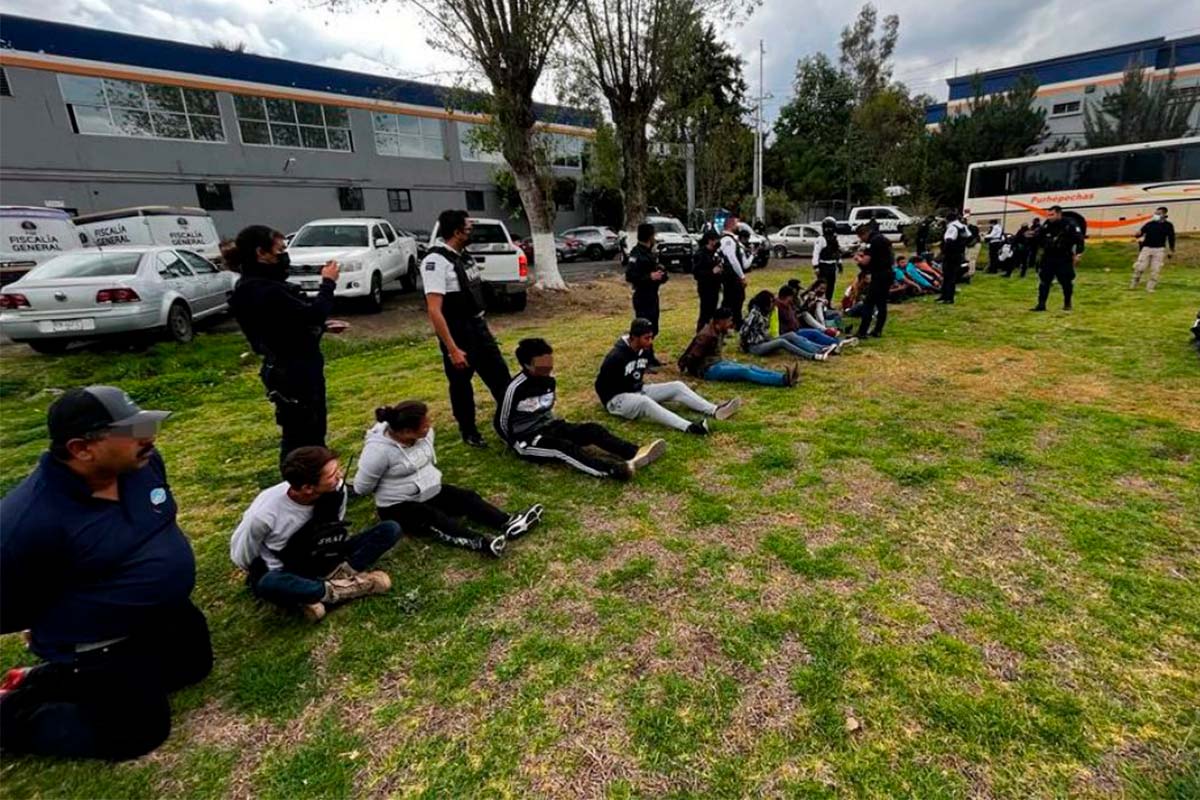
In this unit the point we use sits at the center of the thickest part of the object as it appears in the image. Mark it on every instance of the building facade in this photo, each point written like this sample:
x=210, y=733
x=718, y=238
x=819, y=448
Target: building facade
x=93, y=120
x=1068, y=84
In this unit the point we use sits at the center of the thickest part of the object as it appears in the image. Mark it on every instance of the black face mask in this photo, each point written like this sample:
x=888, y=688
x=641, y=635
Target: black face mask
x=283, y=261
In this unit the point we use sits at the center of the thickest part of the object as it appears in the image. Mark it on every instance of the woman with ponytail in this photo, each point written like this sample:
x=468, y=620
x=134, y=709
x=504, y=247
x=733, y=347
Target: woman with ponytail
x=399, y=466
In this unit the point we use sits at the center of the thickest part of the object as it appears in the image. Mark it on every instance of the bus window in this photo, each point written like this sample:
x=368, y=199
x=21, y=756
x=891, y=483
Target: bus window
x=1045, y=176
x=1145, y=166
x=989, y=181
x=1094, y=172
x=1189, y=163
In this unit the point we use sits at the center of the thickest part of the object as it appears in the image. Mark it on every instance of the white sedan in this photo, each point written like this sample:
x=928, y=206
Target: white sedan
x=93, y=293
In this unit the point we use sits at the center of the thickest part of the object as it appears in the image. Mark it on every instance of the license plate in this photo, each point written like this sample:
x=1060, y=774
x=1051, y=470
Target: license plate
x=67, y=325
x=310, y=285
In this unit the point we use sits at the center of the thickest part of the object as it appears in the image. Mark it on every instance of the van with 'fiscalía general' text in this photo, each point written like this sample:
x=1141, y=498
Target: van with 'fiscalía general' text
x=173, y=226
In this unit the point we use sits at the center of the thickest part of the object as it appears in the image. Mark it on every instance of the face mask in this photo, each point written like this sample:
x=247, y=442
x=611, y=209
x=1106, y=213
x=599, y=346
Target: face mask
x=1158, y=217
x=283, y=260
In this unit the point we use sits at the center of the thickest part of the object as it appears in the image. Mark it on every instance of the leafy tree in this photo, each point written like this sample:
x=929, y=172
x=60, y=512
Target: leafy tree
x=1142, y=109
x=600, y=188
x=865, y=57
x=887, y=131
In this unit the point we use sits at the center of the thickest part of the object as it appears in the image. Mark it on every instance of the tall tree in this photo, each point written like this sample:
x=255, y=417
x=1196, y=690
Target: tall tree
x=510, y=43
x=1142, y=109
x=865, y=56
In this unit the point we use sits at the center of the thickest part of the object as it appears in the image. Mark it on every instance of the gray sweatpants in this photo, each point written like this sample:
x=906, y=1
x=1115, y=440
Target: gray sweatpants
x=647, y=404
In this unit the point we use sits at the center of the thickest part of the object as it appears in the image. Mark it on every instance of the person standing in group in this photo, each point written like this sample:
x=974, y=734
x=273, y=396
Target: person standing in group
x=995, y=240
x=877, y=261
x=827, y=255
x=1032, y=243
x=974, y=245
x=455, y=303
x=922, y=236
x=646, y=275
x=954, y=248
x=284, y=326
x=708, y=271
x=95, y=569
x=1062, y=245
x=1156, y=243
x=735, y=269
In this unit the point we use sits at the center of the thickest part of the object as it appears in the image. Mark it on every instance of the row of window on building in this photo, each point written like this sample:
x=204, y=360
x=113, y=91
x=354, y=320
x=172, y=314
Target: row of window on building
x=108, y=107
x=219, y=197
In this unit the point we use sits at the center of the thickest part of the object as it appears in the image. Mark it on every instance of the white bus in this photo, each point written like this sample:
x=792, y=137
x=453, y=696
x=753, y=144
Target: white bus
x=1113, y=189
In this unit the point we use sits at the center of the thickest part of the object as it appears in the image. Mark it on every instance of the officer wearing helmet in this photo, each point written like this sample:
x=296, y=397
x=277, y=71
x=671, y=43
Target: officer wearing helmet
x=827, y=255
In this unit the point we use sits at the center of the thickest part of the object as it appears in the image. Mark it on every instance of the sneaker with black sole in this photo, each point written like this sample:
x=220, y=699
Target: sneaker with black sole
x=699, y=428
x=727, y=409
x=520, y=524
x=647, y=454
x=821, y=356
x=474, y=440
x=622, y=471
x=495, y=547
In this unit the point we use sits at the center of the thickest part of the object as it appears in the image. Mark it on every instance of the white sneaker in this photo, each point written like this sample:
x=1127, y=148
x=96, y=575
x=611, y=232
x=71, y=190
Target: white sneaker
x=520, y=524
x=648, y=454
x=850, y=341
x=727, y=409
x=822, y=356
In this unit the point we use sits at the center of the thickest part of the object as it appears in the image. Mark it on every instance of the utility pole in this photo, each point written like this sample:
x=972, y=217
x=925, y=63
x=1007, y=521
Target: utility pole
x=759, y=205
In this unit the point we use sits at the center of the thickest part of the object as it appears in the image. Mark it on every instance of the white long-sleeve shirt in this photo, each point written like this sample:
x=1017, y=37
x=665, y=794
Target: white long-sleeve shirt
x=819, y=245
x=732, y=252
x=996, y=234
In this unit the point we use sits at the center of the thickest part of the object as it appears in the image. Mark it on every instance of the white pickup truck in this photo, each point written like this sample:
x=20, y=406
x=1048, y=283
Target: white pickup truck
x=368, y=251
x=675, y=244
x=502, y=264
x=890, y=218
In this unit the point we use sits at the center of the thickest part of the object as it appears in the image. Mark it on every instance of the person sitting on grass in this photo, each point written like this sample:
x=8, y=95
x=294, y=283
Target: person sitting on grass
x=902, y=287
x=398, y=465
x=294, y=545
x=913, y=275
x=815, y=302
x=852, y=298
x=623, y=393
x=703, y=358
x=787, y=324
x=525, y=420
x=919, y=266
x=757, y=338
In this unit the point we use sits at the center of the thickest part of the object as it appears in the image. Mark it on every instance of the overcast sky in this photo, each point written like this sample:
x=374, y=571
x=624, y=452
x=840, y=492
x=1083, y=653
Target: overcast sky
x=387, y=38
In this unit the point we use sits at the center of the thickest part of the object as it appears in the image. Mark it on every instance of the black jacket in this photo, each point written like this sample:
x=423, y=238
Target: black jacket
x=281, y=323
x=1157, y=233
x=526, y=408
x=704, y=261
x=1060, y=241
x=621, y=372
x=639, y=265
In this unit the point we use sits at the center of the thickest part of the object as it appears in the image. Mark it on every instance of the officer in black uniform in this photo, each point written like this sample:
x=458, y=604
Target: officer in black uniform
x=827, y=256
x=455, y=301
x=707, y=269
x=1061, y=243
x=647, y=276
x=284, y=326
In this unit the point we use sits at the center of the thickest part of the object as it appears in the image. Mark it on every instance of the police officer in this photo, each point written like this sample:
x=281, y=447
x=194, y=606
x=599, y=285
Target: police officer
x=876, y=260
x=1061, y=243
x=455, y=302
x=284, y=327
x=734, y=266
x=647, y=276
x=954, y=250
x=827, y=256
x=708, y=270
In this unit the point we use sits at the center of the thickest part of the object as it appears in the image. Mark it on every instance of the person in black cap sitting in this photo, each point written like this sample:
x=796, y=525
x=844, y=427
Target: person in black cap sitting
x=95, y=569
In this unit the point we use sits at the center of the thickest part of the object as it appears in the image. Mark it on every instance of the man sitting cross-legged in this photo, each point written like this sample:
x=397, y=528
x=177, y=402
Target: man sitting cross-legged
x=526, y=421
x=622, y=391
x=295, y=547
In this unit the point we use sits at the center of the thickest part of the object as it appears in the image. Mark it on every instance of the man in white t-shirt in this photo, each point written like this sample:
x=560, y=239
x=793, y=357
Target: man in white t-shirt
x=294, y=546
x=455, y=302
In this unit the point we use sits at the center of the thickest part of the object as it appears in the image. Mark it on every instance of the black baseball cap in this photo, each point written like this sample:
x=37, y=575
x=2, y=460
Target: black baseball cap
x=79, y=412
x=640, y=327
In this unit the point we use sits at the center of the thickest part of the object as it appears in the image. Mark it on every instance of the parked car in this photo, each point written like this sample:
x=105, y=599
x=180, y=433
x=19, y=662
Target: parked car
x=368, y=250
x=795, y=240
x=502, y=264
x=106, y=291
x=30, y=235
x=175, y=226
x=675, y=244
x=567, y=249
x=418, y=236
x=598, y=243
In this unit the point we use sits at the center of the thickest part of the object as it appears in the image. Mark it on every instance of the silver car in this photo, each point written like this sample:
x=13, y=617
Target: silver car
x=598, y=242
x=97, y=292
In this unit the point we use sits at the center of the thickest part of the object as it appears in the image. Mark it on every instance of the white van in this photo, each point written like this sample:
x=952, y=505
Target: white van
x=30, y=235
x=173, y=226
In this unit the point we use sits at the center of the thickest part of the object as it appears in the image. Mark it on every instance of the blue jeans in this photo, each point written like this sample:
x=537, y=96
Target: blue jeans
x=733, y=371
x=787, y=345
x=803, y=342
x=816, y=336
x=289, y=589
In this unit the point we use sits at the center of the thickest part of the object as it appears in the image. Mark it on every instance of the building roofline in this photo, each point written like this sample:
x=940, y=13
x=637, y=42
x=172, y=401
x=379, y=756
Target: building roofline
x=1030, y=66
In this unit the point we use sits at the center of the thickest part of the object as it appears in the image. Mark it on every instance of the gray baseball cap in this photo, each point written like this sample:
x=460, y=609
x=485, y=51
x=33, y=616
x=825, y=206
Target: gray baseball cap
x=79, y=412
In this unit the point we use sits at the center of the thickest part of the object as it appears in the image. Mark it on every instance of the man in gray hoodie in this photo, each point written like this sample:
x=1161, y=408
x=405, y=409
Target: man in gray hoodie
x=398, y=465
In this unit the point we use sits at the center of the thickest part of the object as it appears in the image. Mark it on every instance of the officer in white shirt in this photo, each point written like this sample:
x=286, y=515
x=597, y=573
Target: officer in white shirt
x=734, y=269
x=995, y=239
x=455, y=302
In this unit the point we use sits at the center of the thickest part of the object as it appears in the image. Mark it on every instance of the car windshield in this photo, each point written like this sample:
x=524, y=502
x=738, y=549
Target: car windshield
x=86, y=265
x=668, y=226
x=331, y=236
x=487, y=234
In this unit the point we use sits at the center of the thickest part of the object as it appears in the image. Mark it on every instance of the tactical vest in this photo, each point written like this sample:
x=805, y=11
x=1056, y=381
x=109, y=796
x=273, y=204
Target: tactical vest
x=832, y=251
x=468, y=301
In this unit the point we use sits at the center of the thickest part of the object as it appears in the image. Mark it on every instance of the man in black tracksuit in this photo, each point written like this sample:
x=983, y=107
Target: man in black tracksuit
x=455, y=302
x=525, y=420
x=708, y=270
x=285, y=327
x=1061, y=243
x=644, y=273
x=876, y=261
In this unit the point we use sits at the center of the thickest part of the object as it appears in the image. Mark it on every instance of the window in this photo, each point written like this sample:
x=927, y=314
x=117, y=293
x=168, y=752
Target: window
x=1145, y=166
x=171, y=266
x=1094, y=172
x=1044, y=176
x=388, y=233
x=199, y=265
x=1189, y=163
x=331, y=236
x=565, y=151
x=989, y=182
x=399, y=200
x=270, y=121
x=105, y=107
x=564, y=194
x=883, y=213
x=376, y=235
x=1065, y=109
x=350, y=198
x=5, y=89
x=469, y=149
x=1186, y=93
x=487, y=234
x=214, y=196
x=475, y=200
x=408, y=136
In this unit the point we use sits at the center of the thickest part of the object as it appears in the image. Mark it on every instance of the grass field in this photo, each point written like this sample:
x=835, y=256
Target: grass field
x=959, y=562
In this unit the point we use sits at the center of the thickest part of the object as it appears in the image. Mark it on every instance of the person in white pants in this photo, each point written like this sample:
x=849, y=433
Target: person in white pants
x=623, y=393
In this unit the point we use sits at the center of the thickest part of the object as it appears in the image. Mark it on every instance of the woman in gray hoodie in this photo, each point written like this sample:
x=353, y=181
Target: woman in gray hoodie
x=399, y=466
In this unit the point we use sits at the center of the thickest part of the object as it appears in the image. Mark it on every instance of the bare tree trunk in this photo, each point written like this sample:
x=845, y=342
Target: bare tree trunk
x=631, y=128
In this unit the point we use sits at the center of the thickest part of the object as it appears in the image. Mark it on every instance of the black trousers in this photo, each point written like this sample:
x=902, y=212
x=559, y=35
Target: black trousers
x=828, y=273
x=299, y=401
x=710, y=300
x=1030, y=260
x=645, y=305
x=483, y=358
x=109, y=703
x=994, y=256
x=735, y=299
x=564, y=442
x=951, y=272
x=441, y=517
x=1064, y=273
x=876, y=304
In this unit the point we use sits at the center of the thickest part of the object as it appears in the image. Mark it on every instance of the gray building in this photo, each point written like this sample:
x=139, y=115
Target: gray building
x=93, y=120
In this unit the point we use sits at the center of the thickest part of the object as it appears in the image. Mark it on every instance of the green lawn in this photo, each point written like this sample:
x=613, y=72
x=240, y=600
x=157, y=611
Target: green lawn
x=960, y=562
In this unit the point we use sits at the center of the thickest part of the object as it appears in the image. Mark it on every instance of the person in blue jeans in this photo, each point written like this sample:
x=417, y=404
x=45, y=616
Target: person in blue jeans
x=758, y=339
x=788, y=325
x=294, y=545
x=703, y=358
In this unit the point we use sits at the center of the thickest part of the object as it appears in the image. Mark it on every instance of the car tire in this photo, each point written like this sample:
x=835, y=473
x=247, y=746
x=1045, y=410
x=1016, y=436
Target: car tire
x=179, y=323
x=373, y=302
x=409, y=281
x=595, y=253
x=517, y=302
x=780, y=251
x=49, y=347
